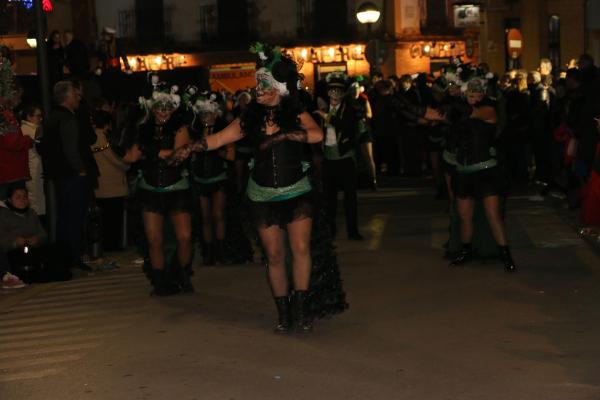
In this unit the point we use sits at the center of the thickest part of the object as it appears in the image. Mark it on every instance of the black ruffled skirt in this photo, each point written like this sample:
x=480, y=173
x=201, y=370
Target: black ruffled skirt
x=268, y=213
x=480, y=184
x=165, y=203
x=207, y=189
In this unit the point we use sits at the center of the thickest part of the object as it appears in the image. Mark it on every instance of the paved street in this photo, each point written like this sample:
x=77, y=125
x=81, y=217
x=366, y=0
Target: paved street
x=416, y=329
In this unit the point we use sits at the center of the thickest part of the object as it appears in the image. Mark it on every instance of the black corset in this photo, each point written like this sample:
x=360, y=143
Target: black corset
x=475, y=140
x=278, y=165
x=208, y=165
x=153, y=138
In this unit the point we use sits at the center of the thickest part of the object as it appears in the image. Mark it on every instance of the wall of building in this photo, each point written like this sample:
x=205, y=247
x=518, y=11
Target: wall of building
x=107, y=12
x=534, y=16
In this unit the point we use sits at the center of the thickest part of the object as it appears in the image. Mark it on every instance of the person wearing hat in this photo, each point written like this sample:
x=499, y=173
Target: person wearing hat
x=280, y=191
x=341, y=126
x=164, y=190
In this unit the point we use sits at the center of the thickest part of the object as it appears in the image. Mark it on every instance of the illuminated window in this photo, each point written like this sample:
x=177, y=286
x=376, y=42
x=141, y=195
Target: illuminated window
x=554, y=40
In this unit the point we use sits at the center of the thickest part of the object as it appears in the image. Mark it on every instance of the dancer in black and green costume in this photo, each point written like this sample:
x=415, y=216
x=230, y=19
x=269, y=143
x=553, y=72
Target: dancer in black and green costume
x=477, y=176
x=163, y=189
x=210, y=175
x=280, y=192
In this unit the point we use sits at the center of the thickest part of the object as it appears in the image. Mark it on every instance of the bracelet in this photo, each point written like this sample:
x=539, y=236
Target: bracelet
x=199, y=145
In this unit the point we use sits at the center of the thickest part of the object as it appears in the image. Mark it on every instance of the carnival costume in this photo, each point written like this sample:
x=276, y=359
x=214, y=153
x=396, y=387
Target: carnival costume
x=163, y=188
x=476, y=175
x=280, y=190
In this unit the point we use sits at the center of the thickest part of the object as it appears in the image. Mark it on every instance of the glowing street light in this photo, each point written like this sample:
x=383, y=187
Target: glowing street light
x=368, y=13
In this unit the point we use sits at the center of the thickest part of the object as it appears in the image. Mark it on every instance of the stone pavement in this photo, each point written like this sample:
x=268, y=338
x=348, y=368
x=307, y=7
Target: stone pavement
x=416, y=329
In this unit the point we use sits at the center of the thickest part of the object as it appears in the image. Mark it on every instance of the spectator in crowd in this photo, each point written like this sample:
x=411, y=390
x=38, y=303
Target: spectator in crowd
x=387, y=133
x=31, y=121
x=411, y=135
x=110, y=56
x=76, y=55
x=590, y=208
x=21, y=230
x=539, y=128
x=515, y=138
x=23, y=244
x=14, y=146
x=112, y=183
x=64, y=162
x=56, y=57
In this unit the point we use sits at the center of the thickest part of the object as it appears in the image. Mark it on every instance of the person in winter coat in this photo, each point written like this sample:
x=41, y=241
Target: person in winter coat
x=31, y=120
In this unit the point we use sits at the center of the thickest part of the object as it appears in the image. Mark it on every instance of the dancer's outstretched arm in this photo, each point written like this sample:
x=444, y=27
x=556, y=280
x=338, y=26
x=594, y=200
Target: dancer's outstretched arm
x=232, y=133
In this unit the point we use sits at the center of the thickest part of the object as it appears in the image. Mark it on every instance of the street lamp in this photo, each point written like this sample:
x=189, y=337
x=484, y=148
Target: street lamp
x=368, y=13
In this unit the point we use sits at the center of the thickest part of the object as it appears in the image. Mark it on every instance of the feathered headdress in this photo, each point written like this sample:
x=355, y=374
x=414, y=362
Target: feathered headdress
x=207, y=102
x=162, y=96
x=275, y=68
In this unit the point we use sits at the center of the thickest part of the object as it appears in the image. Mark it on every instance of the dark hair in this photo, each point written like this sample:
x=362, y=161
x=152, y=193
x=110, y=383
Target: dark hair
x=51, y=36
x=574, y=73
x=101, y=119
x=28, y=110
x=384, y=87
x=12, y=189
x=287, y=111
x=286, y=117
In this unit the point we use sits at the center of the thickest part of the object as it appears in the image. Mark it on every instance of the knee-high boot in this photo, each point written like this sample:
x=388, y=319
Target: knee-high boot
x=302, y=320
x=161, y=286
x=184, y=278
x=284, y=314
x=464, y=256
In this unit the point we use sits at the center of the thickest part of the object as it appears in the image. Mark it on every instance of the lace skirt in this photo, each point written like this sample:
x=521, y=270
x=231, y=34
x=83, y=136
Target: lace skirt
x=165, y=203
x=268, y=213
x=480, y=184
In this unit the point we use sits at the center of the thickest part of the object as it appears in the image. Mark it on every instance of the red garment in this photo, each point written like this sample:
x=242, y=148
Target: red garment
x=590, y=206
x=14, y=155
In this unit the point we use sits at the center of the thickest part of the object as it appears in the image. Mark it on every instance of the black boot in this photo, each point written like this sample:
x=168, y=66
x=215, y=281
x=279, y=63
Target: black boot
x=184, y=279
x=507, y=259
x=301, y=318
x=208, y=254
x=161, y=286
x=464, y=256
x=284, y=323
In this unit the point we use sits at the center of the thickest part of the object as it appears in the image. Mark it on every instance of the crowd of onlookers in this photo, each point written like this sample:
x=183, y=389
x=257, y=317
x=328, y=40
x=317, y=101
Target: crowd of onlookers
x=547, y=135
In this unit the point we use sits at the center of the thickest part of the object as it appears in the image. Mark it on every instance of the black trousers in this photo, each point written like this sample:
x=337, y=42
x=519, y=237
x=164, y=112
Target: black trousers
x=111, y=210
x=73, y=199
x=341, y=174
